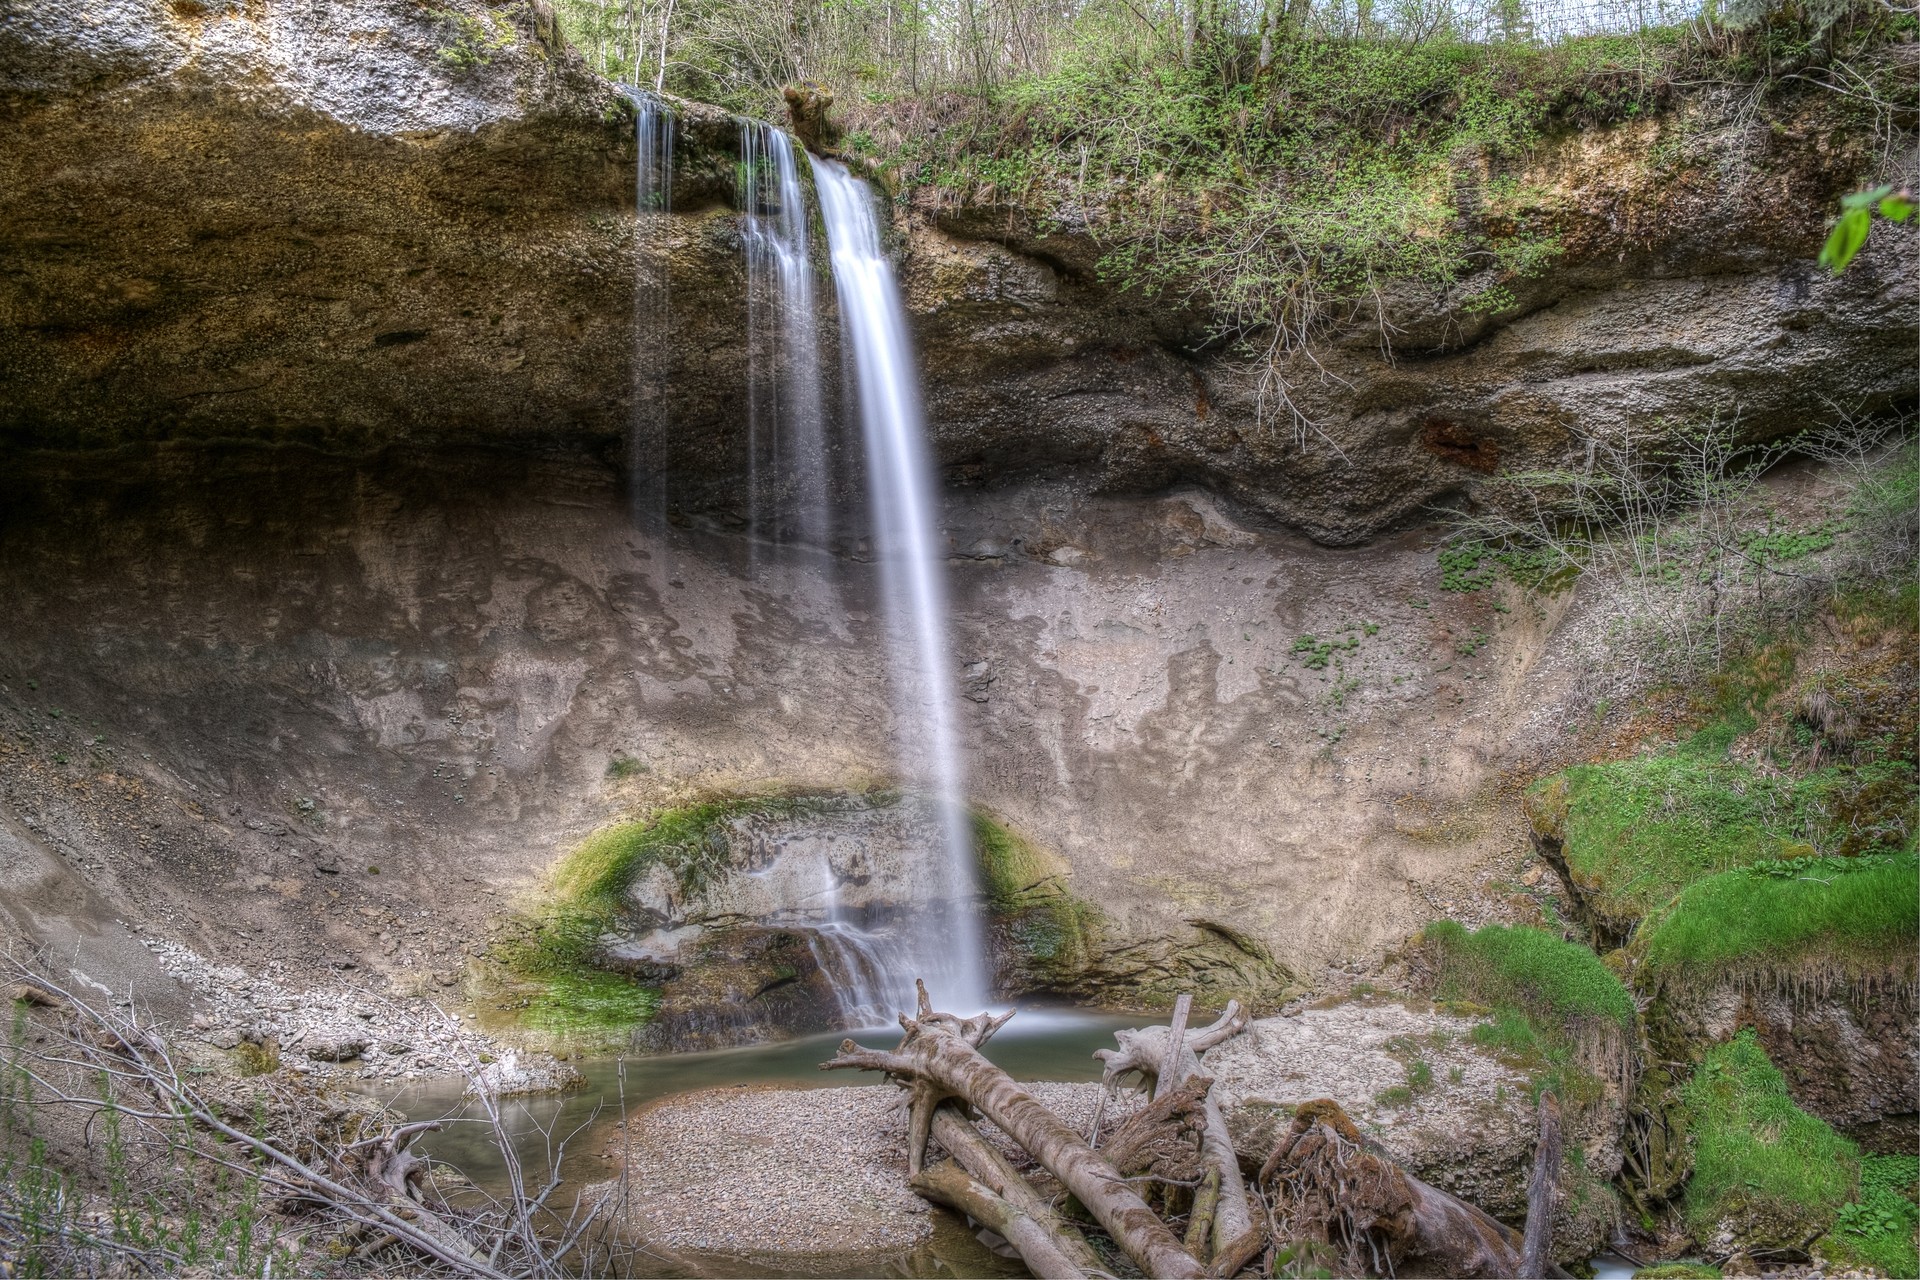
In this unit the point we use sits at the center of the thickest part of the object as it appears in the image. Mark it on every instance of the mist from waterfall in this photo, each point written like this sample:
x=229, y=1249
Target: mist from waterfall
x=786, y=440
x=905, y=513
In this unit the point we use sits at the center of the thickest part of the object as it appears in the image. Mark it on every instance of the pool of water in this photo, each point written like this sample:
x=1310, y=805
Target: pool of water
x=1039, y=1044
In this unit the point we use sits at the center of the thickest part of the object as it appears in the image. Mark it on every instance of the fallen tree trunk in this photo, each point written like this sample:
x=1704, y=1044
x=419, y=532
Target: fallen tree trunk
x=988, y=1167
x=937, y=1059
x=1037, y=1244
x=1542, y=1192
x=1167, y=1057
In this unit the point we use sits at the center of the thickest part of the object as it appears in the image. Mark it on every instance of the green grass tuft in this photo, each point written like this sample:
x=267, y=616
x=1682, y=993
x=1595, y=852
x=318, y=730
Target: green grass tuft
x=1639, y=831
x=1814, y=919
x=1557, y=1011
x=1549, y=979
x=1763, y=1168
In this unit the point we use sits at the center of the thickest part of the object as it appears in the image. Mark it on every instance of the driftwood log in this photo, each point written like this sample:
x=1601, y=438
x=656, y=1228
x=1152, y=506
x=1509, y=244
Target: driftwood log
x=1037, y=1244
x=1167, y=1058
x=1542, y=1192
x=938, y=1059
x=988, y=1167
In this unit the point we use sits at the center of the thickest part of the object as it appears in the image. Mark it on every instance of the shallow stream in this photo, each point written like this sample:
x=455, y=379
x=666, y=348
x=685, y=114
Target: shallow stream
x=1039, y=1044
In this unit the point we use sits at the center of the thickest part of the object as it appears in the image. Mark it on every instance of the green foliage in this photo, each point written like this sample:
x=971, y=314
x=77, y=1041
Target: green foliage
x=1877, y=1226
x=1470, y=564
x=1678, y=1271
x=1554, y=983
x=1810, y=919
x=1319, y=653
x=1856, y=219
x=1761, y=1166
x=1638, y=831
x=134, y=1214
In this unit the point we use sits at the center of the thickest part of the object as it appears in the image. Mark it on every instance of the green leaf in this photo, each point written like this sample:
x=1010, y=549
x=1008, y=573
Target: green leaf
x=1848, y=235
x=1866, y=199
x=1897, y=207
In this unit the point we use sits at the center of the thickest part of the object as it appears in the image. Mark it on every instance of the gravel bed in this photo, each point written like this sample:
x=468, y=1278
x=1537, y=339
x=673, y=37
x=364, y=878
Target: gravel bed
x=349, y=1033
x=757, y=1169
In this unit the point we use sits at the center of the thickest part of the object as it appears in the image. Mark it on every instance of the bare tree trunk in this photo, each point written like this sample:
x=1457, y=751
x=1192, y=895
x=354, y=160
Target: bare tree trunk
x=1542, y=1192
x=948, y=1184
x=937, y=1059
x=977, y=1156
x=1170, y=1055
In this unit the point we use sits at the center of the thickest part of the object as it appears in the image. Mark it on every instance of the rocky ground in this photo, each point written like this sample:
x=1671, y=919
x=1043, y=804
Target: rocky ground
x=349, y=1033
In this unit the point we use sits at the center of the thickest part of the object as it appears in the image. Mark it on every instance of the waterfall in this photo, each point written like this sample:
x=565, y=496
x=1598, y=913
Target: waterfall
x=652, y=320
x=904, y=501
x=786, y=445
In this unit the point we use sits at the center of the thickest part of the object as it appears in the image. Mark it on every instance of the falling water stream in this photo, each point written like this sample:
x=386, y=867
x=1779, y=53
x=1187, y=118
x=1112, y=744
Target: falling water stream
x=905, y=510
x=873, y=962
x=653, y=316
x=786, y=444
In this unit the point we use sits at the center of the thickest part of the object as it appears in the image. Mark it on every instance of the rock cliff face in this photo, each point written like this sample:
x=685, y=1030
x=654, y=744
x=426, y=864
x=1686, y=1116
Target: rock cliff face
x=355, y=225
x=391, y=655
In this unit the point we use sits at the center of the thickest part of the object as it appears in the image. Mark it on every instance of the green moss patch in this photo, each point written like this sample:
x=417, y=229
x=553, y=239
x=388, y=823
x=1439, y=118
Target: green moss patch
x=1763, y=1169
x=1048, y=935
x=1810, y=920
x=585, y=1002
x=1636, y=832
x=1548, y=978
x=554, y=956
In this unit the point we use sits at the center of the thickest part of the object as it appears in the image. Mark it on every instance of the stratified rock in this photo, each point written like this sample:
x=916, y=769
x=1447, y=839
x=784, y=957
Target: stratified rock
x=356, y=225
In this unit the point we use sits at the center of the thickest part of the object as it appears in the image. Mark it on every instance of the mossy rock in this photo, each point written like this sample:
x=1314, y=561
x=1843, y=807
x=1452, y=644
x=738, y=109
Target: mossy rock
x=1045, y=938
